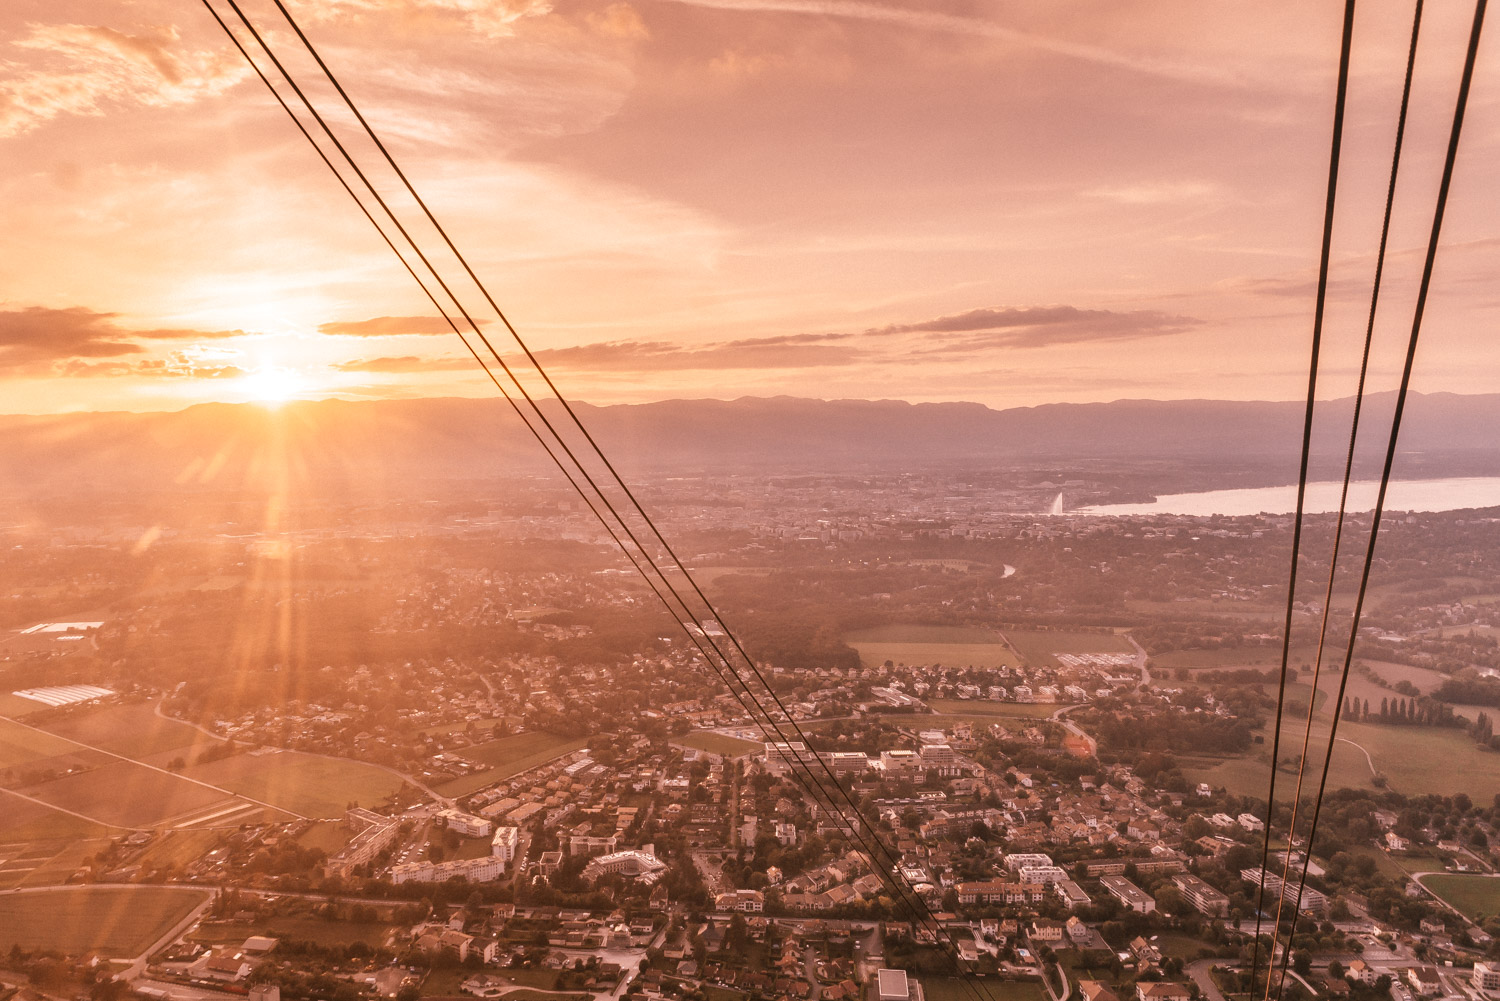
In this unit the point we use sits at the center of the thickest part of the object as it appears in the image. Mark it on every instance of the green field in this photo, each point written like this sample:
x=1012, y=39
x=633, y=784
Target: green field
x=953, y=989
x=299, y=927
x=308, y=784
x=133, y=730
x=329, y=836
x=24, y=748
x=1478, y=897
x=977, y=707
x=14, y=705
x=23, y=820
x=509, y=756
x=116, y=921
x=1414, y=760
x=1041, y=648
x=126, y=794
x=957, y=646
x=718, y=743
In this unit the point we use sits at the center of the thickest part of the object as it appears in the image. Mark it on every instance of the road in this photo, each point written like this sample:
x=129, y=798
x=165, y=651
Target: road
x=1140, y=661
x=1202, y=974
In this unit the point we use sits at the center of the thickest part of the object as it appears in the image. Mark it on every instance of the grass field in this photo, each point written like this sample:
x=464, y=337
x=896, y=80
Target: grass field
x=975, y=707
x=14, y=705
x=126, y=794
x=1041, y=648
x=1476, y=896
x=329, y=836
x=509, y=756
x=23, y=748
x=1414, y=760
x=302, y=927
x=953, y=989
x=22, y=820
x=133, y=730
x=117, y=921
x=959, y=646
x=307, y=784
x=718, y=743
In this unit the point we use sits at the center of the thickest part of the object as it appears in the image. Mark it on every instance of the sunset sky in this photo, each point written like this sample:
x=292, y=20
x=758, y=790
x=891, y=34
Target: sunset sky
x=1011, y=203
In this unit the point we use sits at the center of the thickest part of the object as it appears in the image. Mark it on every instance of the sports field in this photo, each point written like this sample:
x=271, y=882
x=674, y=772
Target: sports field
x=1041, y=647
x=509, y=756
x=297, y=927
x=307, y=784
x=116, y=921
x=1478, y=897
x=953, y=646
x=718, y=743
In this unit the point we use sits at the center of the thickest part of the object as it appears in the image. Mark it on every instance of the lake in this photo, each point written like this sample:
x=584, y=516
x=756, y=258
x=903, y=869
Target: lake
x=1451, y=494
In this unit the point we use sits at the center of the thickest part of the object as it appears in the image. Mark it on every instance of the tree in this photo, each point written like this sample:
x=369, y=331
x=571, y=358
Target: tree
x=1335, y=969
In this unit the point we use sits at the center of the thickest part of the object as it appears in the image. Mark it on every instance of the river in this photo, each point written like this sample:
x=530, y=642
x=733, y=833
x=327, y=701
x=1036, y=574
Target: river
x=1452, y=494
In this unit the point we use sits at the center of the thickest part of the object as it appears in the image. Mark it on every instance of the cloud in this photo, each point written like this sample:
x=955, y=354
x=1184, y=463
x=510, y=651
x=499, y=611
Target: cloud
x=77, y=69
x=408, y=363
x=38, y=335
x=176, y=368
x=936, y=21
x=389, y=326
x=495, y=18
x=778, y=352
x=1043, y=326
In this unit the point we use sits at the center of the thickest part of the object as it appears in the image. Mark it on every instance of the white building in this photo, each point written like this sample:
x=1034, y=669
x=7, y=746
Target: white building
x=503, y=847
x=466, y=824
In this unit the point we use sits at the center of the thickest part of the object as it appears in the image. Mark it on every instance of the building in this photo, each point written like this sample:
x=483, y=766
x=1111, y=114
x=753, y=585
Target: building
x=748, y=901
x=265, y=992
x=506, y=839
x=1021, y=860
x=1162, y=991
x=894, y=985
x=1312, y=900
x=641, y=865
x=782, y=756
x=1048, y=874
x=473, y=870
x=374, y=835
x=1486, y=977
x=1424, y=980
x=583, y=844
x=1071, y=894
x=466, y=824
x=1204, y=898
x=1128, y=893
x=997, y=891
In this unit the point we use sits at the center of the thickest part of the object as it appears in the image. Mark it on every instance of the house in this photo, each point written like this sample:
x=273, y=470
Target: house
x=1424, y=980
x=1162, y=991
x=1093, y=990
x=1361, y=971
x=1049, y=932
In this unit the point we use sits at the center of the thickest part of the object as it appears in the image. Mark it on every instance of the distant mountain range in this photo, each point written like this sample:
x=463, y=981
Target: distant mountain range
x=400, y=443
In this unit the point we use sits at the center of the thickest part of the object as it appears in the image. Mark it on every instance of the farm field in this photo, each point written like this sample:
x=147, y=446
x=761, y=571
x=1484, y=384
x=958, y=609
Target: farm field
x=1413, y=759
x=1258, y=657
x=1478, y=897
x=509, y=756
x=14, y=705
x=718, y=743
x=126, y=794
x=133, y=730
x=23, y=749
x=24, y=821
x=116, y=921
x=1041, y=647
x=958, y=646
x=307, y=784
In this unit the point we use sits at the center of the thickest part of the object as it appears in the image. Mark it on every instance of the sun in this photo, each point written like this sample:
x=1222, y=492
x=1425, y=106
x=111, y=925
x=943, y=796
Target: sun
x=272, y=385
